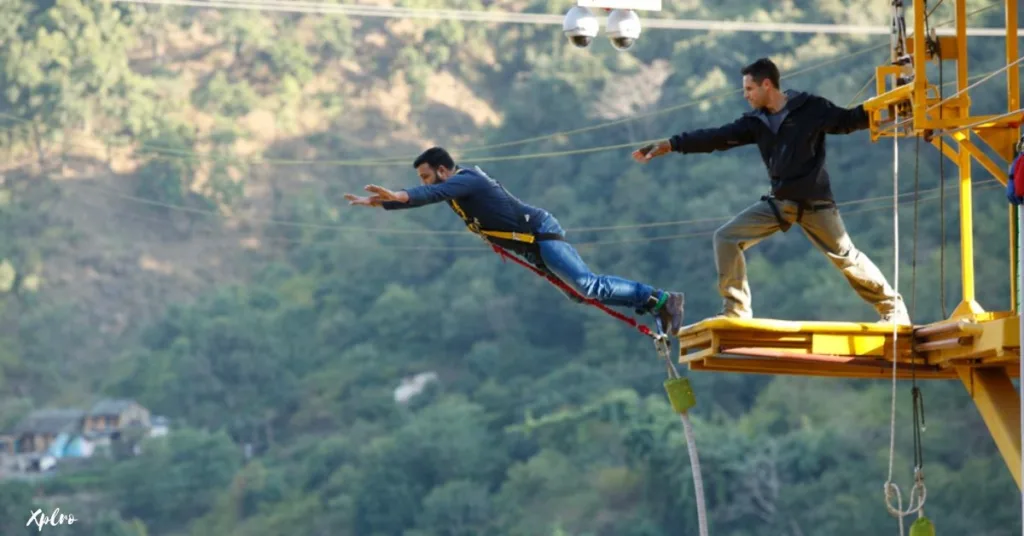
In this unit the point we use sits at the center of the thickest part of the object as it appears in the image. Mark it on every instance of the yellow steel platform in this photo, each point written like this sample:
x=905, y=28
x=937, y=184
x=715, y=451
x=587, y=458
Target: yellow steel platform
x=982, y=350
x=850, y=349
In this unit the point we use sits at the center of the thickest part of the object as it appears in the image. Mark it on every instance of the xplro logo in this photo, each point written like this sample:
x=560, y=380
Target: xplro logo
x=40, y=519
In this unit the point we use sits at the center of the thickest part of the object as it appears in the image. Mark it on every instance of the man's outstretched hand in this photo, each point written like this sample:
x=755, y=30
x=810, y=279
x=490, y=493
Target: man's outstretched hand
x=387, y=195
x=381, y=194
x=647, y=152
x=371, y=201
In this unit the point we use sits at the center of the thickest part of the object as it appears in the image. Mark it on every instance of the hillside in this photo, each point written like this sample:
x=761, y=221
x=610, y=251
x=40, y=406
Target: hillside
x=175, y=233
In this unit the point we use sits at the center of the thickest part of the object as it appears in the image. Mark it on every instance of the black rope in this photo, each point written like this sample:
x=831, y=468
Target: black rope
x=917, y=399
x=913, y=257
x=919, y=426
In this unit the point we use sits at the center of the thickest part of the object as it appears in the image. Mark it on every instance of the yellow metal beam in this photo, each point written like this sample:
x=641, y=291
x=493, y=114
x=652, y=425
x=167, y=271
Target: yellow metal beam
x=920, y=62
x=966, y=230
x=1002, y=138
x=997, y=171
x=961, y=49
x=887, y=98
x=999, y=405
x=977, y=123
x=982, y=341
x=781, y=365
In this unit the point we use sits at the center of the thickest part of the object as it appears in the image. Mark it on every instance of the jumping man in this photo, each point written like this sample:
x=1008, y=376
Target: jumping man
x=789, y=129
x=502, y=219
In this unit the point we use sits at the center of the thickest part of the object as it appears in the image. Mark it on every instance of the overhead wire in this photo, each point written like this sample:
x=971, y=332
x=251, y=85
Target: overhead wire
x=212, y=233
x=196, y=156
x=363, y=229
x=170, y=154
x=378, y=229
x=375, y=245
x=981, y=185
x=993, y=184
x=403, y=161
x=158, y=151
x=313, y=225
x=663, y=23
x=427, y=232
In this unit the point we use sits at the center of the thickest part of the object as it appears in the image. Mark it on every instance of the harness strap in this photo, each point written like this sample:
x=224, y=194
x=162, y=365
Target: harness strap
x=526, y=238
x=801, y=206
x=783, y=224
x=561, y=284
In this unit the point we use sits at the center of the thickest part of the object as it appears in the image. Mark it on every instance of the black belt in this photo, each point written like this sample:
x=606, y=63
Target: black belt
x=802, y=206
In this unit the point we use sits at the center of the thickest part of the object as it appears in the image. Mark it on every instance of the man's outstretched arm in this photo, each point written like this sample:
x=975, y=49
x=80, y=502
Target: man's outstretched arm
x=453, y=188
x=704, y=140
x=707, y=140
x=839, y=120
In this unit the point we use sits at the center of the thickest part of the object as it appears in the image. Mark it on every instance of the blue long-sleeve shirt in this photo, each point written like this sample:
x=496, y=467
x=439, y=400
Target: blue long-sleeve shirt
x=484, y=201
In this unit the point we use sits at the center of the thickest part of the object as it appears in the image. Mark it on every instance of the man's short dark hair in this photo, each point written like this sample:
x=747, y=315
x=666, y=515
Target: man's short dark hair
x=435, y=157
x=761, y=69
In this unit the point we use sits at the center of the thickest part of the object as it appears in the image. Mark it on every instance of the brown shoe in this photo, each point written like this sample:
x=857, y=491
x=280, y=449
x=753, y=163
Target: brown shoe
x=671, y=313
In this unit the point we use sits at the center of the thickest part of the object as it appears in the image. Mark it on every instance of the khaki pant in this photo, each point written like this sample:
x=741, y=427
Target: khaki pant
x=825, y=229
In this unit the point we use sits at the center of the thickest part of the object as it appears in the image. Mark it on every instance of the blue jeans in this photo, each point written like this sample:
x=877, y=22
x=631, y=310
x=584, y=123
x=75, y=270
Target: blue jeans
x=565, y=263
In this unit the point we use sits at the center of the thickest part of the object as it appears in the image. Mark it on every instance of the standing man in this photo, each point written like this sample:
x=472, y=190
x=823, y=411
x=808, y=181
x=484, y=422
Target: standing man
x=789, y=129
x=502, y=219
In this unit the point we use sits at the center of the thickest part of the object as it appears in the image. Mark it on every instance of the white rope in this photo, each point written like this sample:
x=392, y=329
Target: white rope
x=890, y=488
x=661, y=344
x=895, y=40
x=698, y=481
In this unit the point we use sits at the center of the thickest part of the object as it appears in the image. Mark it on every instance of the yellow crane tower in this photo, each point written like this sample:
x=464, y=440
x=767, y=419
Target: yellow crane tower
x=978, y=347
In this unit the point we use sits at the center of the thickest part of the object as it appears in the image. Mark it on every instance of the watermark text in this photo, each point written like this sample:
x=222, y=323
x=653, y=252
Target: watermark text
x=54, y=519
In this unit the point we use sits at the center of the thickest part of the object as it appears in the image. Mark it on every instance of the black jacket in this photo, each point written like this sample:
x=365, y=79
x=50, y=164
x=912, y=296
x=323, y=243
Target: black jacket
x=795, y=155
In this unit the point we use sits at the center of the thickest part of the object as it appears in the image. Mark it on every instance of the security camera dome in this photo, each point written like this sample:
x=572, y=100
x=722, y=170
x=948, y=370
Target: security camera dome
x=581, y=41
x=623, y=28
x=622, y=43
x=580, y=26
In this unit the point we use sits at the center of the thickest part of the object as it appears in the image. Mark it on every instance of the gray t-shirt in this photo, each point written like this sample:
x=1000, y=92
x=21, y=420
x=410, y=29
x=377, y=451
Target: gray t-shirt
x=775, y=120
